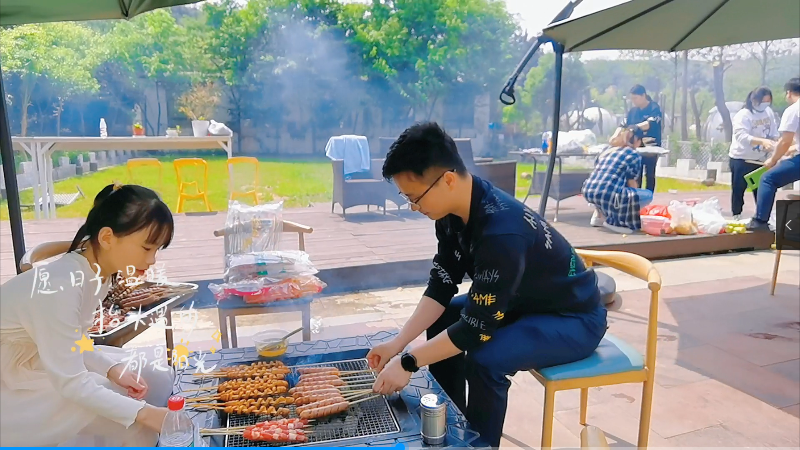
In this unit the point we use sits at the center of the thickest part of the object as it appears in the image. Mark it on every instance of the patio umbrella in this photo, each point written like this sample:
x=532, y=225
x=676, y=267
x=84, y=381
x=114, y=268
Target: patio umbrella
x=17, y=12
x=665, y=25
x=675, y=25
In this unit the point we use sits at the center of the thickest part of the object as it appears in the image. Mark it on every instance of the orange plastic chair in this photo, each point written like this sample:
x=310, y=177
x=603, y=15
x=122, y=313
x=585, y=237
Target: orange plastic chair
x=233, y=189
x=146, y=162
x=183, y=184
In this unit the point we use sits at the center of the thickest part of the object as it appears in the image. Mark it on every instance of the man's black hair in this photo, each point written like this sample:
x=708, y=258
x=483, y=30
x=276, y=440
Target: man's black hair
x=793, y=86
x=421, y=147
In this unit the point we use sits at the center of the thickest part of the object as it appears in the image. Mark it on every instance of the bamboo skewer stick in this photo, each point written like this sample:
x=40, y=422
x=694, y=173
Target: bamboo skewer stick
x=364, y=399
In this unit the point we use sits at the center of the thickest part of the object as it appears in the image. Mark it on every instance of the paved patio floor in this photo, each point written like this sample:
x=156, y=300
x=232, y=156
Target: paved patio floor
x=728, y=364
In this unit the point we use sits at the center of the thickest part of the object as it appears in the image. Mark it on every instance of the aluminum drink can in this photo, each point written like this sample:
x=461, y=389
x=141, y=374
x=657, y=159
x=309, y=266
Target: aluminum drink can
x=433, y=412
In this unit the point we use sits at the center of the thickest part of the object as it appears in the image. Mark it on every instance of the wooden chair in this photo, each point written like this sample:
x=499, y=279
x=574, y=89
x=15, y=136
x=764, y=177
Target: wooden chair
x=786, y=237
x=146, y=162
x=614, y=361
x=229, y=309
x=183, y=185
x=49, y=250
x=235, y=193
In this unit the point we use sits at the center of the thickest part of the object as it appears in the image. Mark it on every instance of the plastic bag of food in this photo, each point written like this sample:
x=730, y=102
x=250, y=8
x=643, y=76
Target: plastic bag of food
x=250, y=229
x=681, y=218
x=655, y=210
x=270, y=265
x=265, y=291
x=708, y=217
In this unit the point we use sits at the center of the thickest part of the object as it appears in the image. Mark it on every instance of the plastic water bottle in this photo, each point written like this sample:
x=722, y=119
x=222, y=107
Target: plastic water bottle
x=103, y=128
x=177, y=429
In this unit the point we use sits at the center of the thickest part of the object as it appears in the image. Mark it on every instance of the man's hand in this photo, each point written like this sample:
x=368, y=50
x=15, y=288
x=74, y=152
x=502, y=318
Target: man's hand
x=136, y=388
x=770, y=162
x=392, y=379
x=381, y=354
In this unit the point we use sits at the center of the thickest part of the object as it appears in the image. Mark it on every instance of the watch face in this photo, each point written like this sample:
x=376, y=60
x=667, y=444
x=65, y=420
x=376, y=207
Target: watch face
x=408, y=362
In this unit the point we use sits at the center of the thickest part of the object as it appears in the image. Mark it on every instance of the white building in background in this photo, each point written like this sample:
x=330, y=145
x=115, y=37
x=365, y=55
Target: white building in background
x=713, y=130
x=600, y=120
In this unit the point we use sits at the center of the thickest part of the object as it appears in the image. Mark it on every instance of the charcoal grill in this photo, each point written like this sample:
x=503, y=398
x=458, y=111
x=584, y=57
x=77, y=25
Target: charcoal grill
x=366, y=419
x=381, y=422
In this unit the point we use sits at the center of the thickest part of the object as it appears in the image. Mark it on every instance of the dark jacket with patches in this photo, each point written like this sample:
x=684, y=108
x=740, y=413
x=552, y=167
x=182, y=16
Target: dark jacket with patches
x=518, y=264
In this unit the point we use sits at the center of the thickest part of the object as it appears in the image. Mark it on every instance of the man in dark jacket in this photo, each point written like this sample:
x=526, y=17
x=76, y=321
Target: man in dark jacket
x=648, y=117
x=532, y=304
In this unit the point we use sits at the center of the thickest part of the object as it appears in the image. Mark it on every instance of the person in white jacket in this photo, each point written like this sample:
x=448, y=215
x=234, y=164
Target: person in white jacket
x=56, y=389
x=754, y=132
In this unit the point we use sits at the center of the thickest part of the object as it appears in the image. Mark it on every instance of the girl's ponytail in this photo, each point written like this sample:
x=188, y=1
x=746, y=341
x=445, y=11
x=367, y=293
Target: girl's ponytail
x=133, y=208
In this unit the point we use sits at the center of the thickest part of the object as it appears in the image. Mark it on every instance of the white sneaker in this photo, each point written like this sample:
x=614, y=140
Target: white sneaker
x=597, y=219
x=737, y=217
x=616, y=229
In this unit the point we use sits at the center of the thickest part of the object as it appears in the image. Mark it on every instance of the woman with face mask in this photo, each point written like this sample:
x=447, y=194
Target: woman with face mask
x=754, y=131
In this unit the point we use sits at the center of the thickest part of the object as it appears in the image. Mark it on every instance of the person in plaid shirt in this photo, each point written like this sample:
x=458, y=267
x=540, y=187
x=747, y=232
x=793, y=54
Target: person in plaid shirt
x=613, y=188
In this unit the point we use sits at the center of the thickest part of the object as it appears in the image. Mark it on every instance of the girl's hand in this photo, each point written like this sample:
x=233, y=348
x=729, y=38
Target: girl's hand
x=768, y=145
x=136, y=388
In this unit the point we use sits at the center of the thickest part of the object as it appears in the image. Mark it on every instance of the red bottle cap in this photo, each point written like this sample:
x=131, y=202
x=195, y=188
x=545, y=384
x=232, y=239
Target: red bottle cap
x=175, y=403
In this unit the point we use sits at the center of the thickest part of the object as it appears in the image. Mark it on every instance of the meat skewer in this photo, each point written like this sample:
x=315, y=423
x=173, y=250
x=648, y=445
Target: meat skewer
x=235, y=396
x=331, y=409
x=312, y=387
x=329, y=370
x=326, y=376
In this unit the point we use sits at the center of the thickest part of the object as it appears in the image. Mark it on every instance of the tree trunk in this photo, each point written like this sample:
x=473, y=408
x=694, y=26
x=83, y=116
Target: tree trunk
x=59, y=110
x=684, y=97
x=698, y=127
x=158, y=102
x=764, y=61
x=433, y=105
x=27, y=90
x=674, y=92
x=719, y=100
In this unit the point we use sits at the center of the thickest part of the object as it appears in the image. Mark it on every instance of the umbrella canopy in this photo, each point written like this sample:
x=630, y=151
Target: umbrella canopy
x=673, y=25
x=17, y=12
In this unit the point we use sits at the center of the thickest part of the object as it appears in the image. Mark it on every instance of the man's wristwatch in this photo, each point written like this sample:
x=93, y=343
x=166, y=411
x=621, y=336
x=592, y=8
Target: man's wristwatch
x=409, y=362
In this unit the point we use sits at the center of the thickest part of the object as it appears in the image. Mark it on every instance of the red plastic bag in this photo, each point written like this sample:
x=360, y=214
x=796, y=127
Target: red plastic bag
x=655, y=210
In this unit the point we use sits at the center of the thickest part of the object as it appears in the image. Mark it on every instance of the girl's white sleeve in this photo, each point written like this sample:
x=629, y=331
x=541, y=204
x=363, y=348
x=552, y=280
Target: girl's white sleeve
x=53, y=321
x=99, y=362
x=742, y=127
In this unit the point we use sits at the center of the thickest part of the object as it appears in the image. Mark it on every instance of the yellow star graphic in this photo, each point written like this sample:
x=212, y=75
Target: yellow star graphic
x=84, y=344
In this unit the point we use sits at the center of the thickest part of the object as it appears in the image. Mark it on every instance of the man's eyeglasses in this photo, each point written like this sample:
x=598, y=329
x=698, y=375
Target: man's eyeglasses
x=416, y=201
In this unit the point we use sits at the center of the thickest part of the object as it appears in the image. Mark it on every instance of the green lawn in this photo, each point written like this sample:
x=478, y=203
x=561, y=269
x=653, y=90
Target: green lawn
x=298, y=183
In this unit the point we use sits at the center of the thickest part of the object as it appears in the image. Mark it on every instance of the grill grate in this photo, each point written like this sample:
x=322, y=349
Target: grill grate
x=365, y=419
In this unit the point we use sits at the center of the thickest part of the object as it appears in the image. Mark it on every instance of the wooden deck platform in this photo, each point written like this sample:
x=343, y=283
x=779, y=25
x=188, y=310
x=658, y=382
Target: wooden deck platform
x=371, y=250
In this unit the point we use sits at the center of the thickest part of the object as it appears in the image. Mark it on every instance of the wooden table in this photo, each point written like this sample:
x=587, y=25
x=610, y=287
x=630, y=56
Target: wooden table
x=41, y=148
x=125, y=332
x=235, y=306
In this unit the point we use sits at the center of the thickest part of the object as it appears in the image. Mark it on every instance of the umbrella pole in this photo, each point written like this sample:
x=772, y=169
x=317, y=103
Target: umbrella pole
x=10, y=175
x=551, y=164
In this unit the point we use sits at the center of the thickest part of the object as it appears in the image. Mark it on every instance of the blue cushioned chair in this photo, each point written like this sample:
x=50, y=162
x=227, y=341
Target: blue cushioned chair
x=614, y=361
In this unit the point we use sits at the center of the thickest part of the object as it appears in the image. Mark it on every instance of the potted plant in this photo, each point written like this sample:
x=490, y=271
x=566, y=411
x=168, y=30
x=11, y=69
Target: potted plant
x=198, y=103
x=138, y=129
x=172, y=132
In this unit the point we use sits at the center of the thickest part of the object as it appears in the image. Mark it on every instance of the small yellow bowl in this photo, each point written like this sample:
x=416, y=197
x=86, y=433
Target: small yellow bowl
x=270, y=344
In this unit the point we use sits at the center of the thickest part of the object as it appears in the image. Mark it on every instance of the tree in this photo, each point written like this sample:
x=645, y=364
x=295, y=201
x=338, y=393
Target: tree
x=155, y=47
x=232, y=38
x=58, y=52
x=423, y=48
x=720, y=59
x=767, y=51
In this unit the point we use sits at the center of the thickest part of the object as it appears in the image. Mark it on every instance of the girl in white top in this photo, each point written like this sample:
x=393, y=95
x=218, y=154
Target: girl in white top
x=754, y=132
x=55, y=388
